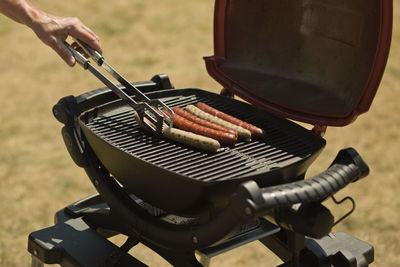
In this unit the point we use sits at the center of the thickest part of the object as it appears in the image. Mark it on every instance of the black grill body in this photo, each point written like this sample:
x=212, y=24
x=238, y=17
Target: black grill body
x=222, y=191
x=185, y=180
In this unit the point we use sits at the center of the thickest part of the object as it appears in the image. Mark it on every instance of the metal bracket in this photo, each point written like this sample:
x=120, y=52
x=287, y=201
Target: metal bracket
x=340, y=202
x=118, y=253
x=163, y=81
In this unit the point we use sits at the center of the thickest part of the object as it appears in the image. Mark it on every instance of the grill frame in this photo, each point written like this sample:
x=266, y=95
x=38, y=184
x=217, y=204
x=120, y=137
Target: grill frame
x=179, y=193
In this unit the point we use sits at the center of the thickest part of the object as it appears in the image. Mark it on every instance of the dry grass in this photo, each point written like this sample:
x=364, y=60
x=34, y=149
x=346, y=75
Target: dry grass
x=143, y=38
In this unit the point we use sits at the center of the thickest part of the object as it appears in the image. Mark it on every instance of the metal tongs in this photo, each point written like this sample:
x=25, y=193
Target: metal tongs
x=151, y=112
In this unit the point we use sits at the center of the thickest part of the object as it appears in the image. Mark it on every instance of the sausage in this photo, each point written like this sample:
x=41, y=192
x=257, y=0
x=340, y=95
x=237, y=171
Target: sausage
x=205, y=123
x=191, y=139
x=187, y=125
x=242, y=133
x=255, y=131
x=188, y=138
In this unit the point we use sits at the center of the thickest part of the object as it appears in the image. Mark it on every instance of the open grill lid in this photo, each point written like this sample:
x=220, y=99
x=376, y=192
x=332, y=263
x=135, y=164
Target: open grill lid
x=315, y=61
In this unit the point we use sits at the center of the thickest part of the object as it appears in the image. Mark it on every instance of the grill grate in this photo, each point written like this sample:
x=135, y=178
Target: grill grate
x=278, y=149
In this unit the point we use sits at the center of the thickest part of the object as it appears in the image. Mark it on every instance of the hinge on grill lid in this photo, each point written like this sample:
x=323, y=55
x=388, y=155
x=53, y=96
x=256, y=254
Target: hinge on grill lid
x=227, y=93
x=319, y=130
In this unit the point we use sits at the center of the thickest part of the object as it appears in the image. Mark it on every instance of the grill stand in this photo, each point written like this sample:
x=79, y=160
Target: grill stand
x=75, y=239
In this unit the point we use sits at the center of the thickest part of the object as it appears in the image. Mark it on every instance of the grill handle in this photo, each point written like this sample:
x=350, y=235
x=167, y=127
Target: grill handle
x=347, y=167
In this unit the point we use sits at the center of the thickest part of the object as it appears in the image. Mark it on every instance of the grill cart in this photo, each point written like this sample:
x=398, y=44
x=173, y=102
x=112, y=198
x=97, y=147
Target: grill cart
x=313, y=61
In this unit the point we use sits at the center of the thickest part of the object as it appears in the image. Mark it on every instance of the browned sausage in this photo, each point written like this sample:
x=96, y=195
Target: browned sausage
x=205, y=123
x=191, y=139
x=187, y=125
x=188, y=138
x=242, y=133
x=253, y=129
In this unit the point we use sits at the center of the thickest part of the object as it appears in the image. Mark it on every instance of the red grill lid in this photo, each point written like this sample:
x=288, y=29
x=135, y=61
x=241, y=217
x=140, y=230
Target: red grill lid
x=315, y=61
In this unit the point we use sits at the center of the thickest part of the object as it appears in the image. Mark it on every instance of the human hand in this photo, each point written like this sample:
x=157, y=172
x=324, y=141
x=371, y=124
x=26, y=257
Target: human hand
x=53, y=31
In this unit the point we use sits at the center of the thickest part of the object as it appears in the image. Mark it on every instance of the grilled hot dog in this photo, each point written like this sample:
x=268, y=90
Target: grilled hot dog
x=188, y=138
x=243, y=133
x=191, y=139
x=187, y=125
x=255, y=131
x=205, y=123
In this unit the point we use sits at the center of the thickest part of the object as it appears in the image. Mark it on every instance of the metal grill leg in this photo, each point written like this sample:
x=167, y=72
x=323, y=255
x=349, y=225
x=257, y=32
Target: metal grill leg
x=203, y=259
x=36, y=262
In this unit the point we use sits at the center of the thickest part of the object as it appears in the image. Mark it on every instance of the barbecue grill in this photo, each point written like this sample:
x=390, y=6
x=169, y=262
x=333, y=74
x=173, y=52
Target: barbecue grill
x=322, y=65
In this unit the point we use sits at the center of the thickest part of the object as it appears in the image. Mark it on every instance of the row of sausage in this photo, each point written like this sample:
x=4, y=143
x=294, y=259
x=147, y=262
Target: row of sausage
x=207, y=128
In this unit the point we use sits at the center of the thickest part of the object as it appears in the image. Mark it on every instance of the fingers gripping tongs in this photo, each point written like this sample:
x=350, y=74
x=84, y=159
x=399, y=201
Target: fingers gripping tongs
x=150, y=112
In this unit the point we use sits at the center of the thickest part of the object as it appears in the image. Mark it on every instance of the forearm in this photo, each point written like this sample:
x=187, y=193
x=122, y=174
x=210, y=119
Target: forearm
x=52, y=30
x=22, y=11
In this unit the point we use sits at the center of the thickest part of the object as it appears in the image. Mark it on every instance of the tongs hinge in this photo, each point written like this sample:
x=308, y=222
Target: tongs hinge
x=96, y=56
